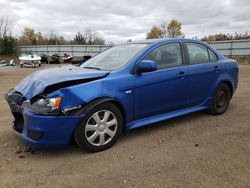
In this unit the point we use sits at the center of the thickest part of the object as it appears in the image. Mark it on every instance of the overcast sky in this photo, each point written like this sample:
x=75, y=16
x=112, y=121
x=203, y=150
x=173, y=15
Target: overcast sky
x=120, y=20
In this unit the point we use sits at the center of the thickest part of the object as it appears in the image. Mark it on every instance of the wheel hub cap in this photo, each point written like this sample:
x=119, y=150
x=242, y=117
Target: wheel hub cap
x=221, y=98
x=101, y=127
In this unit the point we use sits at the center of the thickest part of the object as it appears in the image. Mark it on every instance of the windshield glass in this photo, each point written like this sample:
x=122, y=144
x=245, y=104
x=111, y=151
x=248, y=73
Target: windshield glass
x=114, y=58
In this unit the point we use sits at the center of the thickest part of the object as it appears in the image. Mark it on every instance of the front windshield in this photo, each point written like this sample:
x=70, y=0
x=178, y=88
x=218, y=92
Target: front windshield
x=114, y=58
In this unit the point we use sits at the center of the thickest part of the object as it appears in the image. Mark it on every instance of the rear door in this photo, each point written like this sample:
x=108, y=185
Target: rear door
x=203, y=72
x=164, y=89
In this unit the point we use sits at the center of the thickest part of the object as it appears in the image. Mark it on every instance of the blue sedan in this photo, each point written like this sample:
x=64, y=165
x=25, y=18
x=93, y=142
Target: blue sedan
x=123, y=88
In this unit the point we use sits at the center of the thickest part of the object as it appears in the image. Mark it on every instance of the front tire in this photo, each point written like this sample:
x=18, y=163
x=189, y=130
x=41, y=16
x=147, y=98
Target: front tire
x=221, y=100
x=100, y=128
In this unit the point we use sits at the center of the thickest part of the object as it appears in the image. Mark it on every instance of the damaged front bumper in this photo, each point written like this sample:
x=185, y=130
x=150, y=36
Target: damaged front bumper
x=40, y=131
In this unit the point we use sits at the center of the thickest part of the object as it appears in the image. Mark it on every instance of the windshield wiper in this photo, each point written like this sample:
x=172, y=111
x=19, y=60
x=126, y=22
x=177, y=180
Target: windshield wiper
x=96, y=68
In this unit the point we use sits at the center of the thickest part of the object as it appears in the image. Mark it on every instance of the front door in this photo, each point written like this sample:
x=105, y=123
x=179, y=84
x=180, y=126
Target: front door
x=165, y=89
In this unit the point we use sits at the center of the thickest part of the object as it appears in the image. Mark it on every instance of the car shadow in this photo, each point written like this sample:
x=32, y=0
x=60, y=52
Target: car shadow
x=128, y=135
x=163, y=125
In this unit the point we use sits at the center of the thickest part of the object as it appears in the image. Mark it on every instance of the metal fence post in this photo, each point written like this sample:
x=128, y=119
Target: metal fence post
x=231, y=48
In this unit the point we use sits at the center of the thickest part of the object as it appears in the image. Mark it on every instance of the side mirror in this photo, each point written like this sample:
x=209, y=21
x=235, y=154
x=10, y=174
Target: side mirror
x=146, y=66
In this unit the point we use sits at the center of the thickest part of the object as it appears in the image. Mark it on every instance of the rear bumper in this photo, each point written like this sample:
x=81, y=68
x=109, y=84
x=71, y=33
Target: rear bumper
x=236, y=79
x=40, y=131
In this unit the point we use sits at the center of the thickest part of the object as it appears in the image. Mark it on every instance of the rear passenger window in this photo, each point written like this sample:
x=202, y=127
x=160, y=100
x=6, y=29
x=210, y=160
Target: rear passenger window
x=213, y=57
x=197, y=53
x=166, y=56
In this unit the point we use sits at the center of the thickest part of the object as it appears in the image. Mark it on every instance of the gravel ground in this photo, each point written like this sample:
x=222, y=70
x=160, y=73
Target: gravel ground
x=196, y=150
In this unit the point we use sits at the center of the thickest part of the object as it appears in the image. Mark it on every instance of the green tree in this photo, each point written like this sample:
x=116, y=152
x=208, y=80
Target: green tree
x=8, y=45
x=79, y=39
x=155, y=32
x=7, y=41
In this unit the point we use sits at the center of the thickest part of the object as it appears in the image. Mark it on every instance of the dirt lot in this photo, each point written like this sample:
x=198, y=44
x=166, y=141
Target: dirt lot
x=197, y=150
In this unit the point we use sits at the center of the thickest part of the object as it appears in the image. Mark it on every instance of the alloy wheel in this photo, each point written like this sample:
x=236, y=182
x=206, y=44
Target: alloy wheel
x=101, y=127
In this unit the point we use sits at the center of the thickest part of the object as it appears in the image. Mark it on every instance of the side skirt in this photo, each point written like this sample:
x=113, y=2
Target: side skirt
x=168, y=115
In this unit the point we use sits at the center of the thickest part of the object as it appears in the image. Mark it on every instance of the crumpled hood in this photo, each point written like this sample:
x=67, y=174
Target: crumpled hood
x=37, y=82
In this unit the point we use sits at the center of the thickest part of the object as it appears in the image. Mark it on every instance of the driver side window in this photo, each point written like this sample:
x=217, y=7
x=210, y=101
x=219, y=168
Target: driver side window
x=166, y=56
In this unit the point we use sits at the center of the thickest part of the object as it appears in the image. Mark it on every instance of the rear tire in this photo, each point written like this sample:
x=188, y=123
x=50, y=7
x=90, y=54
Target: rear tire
x=100, y=128
x=221, y=100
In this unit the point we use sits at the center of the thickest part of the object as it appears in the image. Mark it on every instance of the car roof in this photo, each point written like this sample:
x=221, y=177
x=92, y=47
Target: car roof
x=158, y=41
x=151, y=41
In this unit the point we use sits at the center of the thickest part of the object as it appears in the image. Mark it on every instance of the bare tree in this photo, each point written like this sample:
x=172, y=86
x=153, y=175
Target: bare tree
x=98, y=40
x=7, y=41
x=52, y=37
x=222, y=36
x=164, y=29
x=5, y=26
x=90, y=35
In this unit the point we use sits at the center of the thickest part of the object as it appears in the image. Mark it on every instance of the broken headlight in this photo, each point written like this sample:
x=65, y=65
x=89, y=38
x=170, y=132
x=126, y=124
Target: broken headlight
x=44, y=106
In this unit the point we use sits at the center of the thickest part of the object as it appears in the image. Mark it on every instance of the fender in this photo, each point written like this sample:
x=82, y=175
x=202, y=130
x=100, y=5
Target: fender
x=223, y=79
x=84, y=94
x=89, y=106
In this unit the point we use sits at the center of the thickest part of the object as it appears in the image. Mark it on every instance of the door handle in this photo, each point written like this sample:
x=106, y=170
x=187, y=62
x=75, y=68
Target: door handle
x=216, y=68
x=181, y=74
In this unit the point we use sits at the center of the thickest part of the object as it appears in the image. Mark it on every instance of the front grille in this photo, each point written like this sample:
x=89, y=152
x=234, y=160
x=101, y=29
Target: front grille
x=18, y=122
x=15, y=100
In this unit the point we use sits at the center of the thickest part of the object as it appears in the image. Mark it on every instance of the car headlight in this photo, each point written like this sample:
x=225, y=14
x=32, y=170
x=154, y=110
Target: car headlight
x=50, y=104
x=44, y=106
